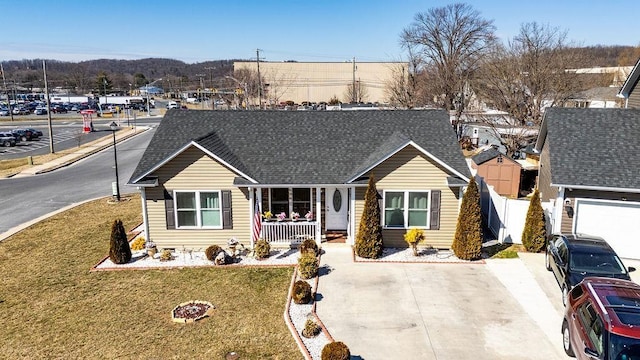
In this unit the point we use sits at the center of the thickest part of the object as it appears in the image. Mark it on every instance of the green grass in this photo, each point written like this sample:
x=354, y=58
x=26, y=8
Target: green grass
x=503, y=251
x=53, y=307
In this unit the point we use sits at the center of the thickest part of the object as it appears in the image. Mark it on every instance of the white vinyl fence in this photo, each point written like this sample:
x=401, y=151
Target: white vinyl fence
x=504, y=217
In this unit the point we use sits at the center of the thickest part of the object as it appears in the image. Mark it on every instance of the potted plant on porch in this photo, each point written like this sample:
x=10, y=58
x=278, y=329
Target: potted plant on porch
x=151, y=248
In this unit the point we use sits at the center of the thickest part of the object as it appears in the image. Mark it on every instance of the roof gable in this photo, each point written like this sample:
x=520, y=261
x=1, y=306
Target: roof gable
x=295, y=147
x=593, y=148
x=631, y=82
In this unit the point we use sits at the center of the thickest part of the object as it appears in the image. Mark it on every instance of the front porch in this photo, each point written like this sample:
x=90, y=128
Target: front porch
x=291, y=215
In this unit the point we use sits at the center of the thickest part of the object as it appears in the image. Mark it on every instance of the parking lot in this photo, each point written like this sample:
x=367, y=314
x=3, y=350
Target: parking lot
x=63, y=137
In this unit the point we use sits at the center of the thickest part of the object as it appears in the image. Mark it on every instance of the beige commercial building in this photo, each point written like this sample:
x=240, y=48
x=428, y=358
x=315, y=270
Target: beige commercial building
x=321, y=81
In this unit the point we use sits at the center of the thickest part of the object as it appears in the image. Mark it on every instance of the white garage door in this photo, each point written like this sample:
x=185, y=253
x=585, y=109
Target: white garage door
x=617, y=222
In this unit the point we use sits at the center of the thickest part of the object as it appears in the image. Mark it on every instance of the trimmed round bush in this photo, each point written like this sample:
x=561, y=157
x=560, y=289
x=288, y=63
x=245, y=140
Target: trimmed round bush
x=307, y=265
x=301, y=292
x=336, y=350
x=309, y=245
x=262, y=249
x=212, y=251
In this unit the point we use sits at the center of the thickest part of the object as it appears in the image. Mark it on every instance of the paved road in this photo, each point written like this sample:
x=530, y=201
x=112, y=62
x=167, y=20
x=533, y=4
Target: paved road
x=27, y=198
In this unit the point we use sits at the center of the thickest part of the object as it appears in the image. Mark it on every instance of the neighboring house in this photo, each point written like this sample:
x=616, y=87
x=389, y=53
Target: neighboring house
x=599, y=97
x=589, y=171
x=204, y=172
x=629, y=91
x=499, y=171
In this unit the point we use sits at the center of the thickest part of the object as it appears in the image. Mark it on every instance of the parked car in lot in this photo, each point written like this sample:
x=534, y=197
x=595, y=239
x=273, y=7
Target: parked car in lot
x=573, y=257
x=602, y=320
x=7, y=139
x=4, y=112
x=34, y=133
x=40, y=111
x=21, y=111
x=23, y=134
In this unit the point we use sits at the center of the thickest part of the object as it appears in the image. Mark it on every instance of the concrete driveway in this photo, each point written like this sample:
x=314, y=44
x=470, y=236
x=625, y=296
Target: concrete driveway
x=437, y=311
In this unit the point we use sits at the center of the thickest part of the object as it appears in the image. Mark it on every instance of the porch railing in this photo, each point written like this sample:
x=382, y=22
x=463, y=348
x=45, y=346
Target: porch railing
x=288, y=232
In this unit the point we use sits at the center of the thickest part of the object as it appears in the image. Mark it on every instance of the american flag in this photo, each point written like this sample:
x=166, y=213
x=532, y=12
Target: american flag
x=257, y=222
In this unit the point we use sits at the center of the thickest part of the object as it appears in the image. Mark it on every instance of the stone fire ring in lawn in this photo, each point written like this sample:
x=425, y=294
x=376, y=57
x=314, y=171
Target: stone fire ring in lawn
x=191, y=311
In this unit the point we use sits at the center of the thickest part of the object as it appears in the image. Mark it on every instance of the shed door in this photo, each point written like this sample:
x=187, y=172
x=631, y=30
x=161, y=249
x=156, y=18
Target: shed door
x=336, y=203
x=617, y=222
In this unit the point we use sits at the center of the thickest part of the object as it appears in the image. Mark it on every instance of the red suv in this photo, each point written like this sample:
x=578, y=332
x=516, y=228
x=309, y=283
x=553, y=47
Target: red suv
x=602, y=320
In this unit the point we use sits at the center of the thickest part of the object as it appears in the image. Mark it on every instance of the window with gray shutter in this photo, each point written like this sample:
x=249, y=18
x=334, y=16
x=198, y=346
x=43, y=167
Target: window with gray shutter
x=227, y=215
x=168, y=209
x=435, y=210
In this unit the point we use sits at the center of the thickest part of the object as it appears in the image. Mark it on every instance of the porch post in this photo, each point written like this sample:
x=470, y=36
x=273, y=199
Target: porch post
x=145, y=215
x=351, y=236
x=252, y=205
x=318, y=217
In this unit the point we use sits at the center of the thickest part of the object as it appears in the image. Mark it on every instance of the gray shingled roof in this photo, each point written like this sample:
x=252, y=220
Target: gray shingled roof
x=485, y=156
x=303, y=147
x=594, y=147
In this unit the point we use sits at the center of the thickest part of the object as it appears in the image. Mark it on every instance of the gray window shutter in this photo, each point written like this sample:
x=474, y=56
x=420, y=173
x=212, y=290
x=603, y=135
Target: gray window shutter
x=435, y=210
x=227, y=215
x=168, y=209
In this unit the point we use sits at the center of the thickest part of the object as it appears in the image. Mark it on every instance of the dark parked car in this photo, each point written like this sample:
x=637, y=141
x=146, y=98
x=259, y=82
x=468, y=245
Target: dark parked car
x=7, y=139
x=23, y=134
x=602, y=320
x=576, y=256
x=58, y=109
x=34, y=133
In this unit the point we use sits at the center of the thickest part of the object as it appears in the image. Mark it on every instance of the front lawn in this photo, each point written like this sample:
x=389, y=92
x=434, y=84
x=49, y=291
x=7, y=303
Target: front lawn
x=52, y=306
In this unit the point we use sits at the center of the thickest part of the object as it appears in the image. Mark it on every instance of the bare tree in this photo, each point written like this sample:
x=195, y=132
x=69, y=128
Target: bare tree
x=403, y=89
x=450, y=40
x=361, y=92
x=529, y=73
x=277, y=84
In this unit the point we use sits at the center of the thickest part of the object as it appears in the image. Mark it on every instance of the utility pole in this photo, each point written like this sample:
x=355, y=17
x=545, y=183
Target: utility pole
x=6, y=91
x=353, y=95
x=46, y=93
x=259, y=80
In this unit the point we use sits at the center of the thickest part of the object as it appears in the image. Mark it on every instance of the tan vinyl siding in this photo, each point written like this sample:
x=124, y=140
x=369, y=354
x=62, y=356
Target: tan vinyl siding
x=193, y=170
x=634, y=98
x=409, y=169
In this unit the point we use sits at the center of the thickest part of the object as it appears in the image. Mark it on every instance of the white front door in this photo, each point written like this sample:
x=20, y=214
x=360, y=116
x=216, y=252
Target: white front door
x=336, y=204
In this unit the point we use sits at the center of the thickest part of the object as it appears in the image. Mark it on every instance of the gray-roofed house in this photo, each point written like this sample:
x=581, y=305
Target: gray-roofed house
x=629, y=90
x=589, y=170
x=206, y=175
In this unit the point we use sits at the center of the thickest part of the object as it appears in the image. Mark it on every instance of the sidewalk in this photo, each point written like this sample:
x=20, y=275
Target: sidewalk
x=82, y=152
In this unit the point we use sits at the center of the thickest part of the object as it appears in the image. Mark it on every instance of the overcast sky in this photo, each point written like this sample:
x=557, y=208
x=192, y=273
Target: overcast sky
x=321, y=30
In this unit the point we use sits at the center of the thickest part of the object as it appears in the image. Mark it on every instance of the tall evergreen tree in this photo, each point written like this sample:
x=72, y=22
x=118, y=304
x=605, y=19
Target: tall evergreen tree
x=119, y=250
x=535, y=231
x=467, y=243
x=369, y=238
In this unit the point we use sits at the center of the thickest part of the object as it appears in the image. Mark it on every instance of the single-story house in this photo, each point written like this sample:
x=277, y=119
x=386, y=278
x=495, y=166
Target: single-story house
x=499, y=171
x=206, y=175
x=589, y=171
x=629, y=90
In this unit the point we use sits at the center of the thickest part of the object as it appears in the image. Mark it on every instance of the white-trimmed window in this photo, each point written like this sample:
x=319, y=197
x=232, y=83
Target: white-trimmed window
x=198, y=209
x=405, y=209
